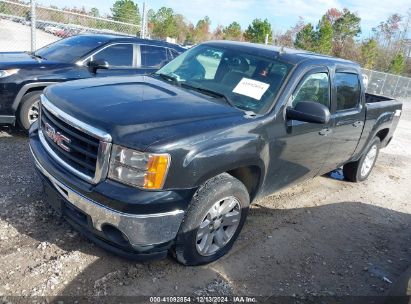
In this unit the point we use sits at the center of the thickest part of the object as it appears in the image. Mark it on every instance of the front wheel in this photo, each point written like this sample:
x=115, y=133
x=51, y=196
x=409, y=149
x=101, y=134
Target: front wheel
x=29, y=110
x=213, y=221
x=360, y=170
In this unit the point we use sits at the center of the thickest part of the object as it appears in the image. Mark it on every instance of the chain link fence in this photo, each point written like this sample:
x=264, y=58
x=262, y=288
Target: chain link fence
x=31, y=26
x=387, y=84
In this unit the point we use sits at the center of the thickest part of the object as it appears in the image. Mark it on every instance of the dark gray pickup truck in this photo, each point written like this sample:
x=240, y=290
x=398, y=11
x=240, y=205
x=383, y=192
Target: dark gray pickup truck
x=170, y=162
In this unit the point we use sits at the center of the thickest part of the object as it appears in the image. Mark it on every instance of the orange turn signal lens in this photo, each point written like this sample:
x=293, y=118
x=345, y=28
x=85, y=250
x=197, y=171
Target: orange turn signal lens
x=156, y=171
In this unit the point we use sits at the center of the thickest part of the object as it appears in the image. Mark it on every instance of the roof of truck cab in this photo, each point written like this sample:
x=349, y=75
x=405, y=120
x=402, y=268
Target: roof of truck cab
x=289, y=55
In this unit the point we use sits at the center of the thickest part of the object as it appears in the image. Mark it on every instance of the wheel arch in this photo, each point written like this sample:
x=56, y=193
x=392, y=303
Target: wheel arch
x=250, y=176
x=382, y=134
x=27, y=88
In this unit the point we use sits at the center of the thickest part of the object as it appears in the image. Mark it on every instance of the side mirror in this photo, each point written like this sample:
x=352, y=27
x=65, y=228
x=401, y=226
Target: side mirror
x=95, y=65
x=309, y=111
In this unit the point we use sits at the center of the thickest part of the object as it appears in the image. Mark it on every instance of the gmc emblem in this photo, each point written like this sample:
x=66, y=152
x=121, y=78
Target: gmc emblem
x=57, y=137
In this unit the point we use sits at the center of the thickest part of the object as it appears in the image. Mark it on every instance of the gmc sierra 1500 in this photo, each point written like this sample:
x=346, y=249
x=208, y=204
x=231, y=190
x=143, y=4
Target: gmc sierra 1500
x=170, y=162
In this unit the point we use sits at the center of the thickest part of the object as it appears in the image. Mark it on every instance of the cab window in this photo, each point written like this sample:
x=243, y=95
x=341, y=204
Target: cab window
x=316, y=88
x=153, y=56
x=117, y=55
x=348, y=91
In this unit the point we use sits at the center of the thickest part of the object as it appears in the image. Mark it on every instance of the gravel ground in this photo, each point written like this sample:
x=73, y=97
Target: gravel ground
x=324, y=237
x=15, y=37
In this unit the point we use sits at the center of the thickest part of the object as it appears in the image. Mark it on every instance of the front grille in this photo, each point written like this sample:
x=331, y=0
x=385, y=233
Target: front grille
x=83, y=148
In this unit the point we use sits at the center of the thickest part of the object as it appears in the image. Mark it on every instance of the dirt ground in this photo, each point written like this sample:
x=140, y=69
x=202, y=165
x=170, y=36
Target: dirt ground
x=324, y=237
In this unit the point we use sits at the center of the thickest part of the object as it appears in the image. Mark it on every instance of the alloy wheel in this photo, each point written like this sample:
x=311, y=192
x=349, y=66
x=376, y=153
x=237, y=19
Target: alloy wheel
x=33, y=113
x=218, y=226
x=369, y=161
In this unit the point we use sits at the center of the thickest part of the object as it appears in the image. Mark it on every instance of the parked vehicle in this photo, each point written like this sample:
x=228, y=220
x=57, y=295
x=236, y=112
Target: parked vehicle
x=41, y=24
x=171, y=162
x=67, y=32
x=23, y=75
x=52, y=29
x=26, y=22
x=62, y=33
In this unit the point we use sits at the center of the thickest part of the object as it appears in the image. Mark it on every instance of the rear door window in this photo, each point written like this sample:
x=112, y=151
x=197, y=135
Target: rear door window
x=153, y=56
x=348, y=91
x=118, y=55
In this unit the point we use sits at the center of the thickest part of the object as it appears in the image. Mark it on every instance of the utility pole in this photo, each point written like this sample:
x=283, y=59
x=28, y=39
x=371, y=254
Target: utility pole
x=143, y=31
x=33, y=25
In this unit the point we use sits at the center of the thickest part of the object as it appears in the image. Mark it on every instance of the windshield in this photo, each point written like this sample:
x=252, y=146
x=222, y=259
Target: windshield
x=248, y=82
x=70, y=49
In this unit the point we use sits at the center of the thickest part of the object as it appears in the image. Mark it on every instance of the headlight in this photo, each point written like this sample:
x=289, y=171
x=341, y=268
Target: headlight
x=7, y=73
x=143, y=170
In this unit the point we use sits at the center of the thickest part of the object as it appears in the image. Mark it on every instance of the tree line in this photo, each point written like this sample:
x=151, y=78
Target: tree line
x=386, y=49
x=337, y=33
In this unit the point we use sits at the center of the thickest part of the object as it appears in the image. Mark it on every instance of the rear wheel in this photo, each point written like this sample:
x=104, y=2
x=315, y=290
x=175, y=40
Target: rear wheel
x=213, y=221
x=29, y=110
x=360, y=170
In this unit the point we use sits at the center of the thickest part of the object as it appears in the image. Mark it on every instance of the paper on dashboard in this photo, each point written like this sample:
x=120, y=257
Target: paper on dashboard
x=251, y=88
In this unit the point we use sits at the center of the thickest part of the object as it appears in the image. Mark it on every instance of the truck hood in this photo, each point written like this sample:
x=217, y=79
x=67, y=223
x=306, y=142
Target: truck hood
x=138, y=111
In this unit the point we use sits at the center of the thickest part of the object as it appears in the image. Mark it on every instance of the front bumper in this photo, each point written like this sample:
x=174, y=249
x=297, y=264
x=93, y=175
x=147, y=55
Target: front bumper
x=140, y=230
x=141, y=233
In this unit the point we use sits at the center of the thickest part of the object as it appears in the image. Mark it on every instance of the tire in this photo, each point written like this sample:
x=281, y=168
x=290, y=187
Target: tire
x=26, y=114
x=226, y=191
x=359, y=171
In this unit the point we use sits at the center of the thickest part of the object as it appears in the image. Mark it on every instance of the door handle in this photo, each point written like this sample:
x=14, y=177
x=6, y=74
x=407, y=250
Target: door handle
x=357, y=124
x=325, y=132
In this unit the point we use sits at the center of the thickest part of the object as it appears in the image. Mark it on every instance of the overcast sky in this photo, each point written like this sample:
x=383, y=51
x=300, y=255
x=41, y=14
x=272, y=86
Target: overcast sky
x=281, y=13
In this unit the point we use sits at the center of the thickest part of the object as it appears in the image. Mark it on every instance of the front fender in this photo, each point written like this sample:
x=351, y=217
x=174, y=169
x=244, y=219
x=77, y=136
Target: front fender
x=226, y=157
x=214, y=157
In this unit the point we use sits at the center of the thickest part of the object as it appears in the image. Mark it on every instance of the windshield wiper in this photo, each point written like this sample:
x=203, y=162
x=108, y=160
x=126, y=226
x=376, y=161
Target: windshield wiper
x=33, y=54
x=210, y=93
x=168, y=78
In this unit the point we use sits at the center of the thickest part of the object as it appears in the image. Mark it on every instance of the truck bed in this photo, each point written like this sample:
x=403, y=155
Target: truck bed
x=372, y=98
x=382, y=116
